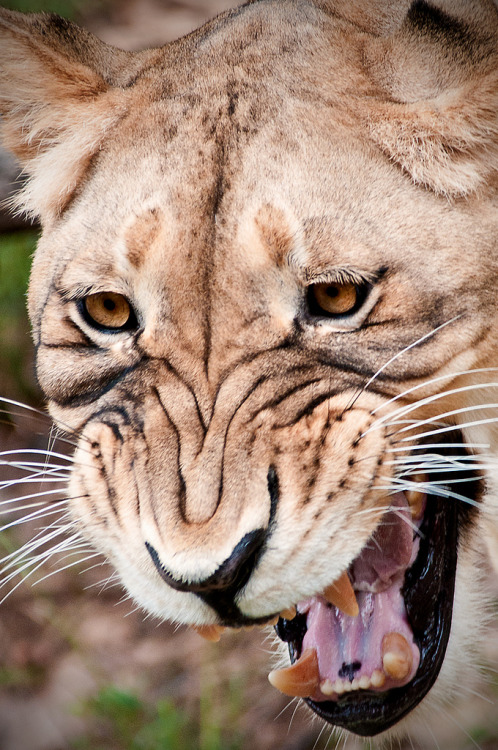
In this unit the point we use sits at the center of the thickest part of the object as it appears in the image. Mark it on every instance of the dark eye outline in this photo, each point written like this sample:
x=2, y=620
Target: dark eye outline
x=130, y=325
x=314, y=309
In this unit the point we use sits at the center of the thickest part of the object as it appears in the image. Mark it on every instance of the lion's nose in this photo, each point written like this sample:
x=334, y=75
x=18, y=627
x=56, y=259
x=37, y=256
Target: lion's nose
x=220, y=588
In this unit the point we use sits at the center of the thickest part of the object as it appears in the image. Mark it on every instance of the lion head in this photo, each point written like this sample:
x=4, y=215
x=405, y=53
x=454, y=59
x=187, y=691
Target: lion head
x=264, y=300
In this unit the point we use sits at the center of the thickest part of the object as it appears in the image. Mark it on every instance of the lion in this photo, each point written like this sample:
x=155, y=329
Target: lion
x=264, y=302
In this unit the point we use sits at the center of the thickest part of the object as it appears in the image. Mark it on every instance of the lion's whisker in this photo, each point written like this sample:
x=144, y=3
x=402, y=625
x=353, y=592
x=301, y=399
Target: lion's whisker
x=32, y=495
x=36, y=515
x=40, y=540
x=440, y=394
x=399, y=354
x=9, y=511
x=38, y=412
x=72, y=564
x=426, y=446
x=37, y=452
x=448, y=428
x=17, y=566
x=437, y=490
x=451, y=413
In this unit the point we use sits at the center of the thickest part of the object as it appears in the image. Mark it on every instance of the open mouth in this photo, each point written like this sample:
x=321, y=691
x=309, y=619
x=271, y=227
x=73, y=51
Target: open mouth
x=367, y=650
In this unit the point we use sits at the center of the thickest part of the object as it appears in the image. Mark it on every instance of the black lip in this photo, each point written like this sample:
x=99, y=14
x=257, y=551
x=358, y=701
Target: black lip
x=428, y=593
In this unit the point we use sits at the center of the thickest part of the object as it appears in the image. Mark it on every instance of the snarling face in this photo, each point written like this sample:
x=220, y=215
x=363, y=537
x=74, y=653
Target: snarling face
x=263, y=301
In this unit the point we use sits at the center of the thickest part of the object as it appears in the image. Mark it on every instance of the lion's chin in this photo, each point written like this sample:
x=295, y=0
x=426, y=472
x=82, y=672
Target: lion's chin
x=365, y=673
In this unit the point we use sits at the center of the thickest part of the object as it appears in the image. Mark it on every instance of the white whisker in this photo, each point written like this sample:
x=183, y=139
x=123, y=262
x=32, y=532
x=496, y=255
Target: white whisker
x=440, y=446
x=438, y=379
x=451, y=413
x=19, y=568
x=10, y=511
x=400, y=354
x=449, y=428
x=47, y=510
x=21, y=498
x=13, y=558
x=37, y=452
x=437, y=490
x=38, y=412
x=78, y=561
x=35, y=479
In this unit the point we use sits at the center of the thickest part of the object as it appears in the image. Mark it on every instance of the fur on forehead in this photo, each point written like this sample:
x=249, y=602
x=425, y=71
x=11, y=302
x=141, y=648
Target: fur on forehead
x=431, y=72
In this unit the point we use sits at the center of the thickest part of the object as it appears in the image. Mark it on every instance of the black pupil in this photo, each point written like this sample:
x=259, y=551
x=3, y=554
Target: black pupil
x=332, y=291
x=109, y=304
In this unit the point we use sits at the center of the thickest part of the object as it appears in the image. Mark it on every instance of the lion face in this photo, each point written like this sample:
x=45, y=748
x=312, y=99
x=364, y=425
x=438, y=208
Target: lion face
x=267, y=311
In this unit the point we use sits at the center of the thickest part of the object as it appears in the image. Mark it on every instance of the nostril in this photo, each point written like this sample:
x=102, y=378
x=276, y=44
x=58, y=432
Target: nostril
x=232, y=575
x=220, y=589
x=236, y=570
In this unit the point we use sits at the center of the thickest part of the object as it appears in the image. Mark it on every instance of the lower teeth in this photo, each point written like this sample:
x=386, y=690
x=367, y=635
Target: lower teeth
x=339, y=687
x=302, y=679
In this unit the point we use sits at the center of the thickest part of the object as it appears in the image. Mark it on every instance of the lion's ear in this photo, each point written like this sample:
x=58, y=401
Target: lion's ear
x=435, y=112
x=56, y=100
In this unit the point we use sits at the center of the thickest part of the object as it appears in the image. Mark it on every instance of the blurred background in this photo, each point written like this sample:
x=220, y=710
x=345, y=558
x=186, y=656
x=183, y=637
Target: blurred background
x=80, y=668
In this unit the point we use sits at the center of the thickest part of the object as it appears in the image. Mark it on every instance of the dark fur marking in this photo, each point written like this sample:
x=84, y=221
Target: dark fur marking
x=310, y=408
x=192, y=393
x=447, y=30
x=183, y=489
x=94, y=392
x=95, y=416
x=111, y=494
x=287, y=394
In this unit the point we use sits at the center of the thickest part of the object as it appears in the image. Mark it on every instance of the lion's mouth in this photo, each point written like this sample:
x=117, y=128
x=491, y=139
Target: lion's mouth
x=366, y=672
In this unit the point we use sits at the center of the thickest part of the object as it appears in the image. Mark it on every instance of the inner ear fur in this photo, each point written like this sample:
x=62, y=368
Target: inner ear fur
x=434, y=111
x=61, y=89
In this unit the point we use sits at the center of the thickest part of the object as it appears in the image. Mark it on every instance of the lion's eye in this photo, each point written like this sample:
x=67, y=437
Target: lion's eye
x=335, y=299
x=109, y=310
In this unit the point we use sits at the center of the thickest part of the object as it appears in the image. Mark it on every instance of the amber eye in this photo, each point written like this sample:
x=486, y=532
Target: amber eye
x=334, y=299
x=109, y=310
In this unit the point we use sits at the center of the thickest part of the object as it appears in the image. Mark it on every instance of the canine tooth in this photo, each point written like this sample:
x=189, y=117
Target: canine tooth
x=273, y=621
x=326, y=687
x=397, y=658
x=416, y=498
x=378, y=678
x=364, y=682
x=209, y=632
x=289, y=613
x=301, y=679
x=341, y=595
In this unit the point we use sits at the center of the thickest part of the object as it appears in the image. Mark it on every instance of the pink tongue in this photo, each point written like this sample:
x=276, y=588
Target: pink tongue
x=350, y=648
x=387, y=555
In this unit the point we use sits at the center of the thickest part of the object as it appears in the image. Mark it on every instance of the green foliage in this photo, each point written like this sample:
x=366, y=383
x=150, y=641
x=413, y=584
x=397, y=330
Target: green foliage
x=15, y=258
x=67, y=8
x=29, y=677
x=122, y=721
x=16, y=371
x=169, y=729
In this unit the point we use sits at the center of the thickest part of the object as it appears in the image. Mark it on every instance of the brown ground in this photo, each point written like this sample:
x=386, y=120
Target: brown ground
x=69, y=637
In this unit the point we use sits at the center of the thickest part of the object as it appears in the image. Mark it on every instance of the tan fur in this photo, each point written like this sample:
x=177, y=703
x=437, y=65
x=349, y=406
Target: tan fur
x=210, y=182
